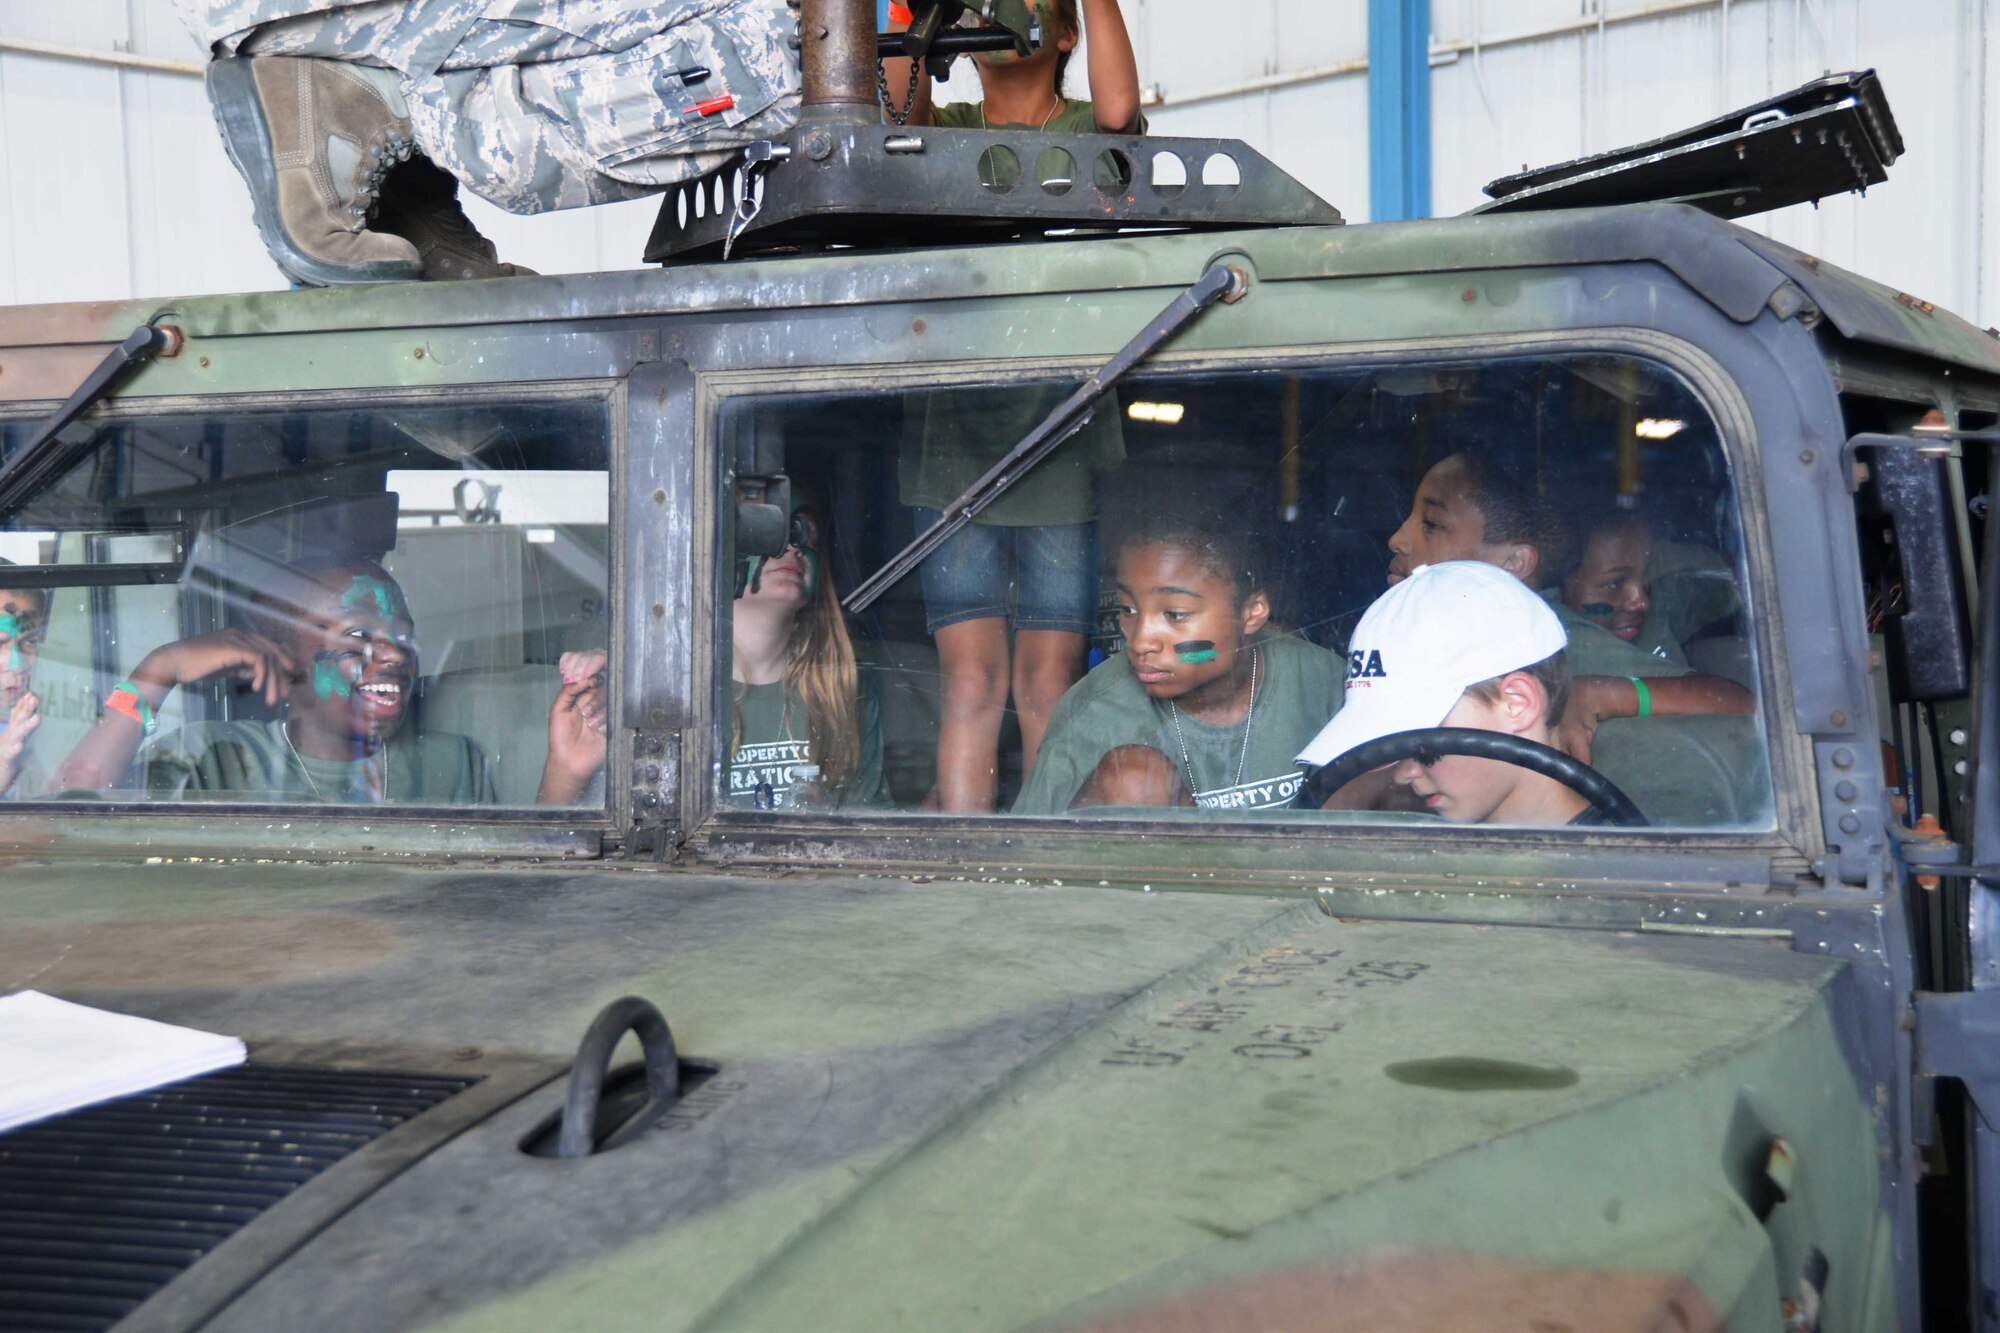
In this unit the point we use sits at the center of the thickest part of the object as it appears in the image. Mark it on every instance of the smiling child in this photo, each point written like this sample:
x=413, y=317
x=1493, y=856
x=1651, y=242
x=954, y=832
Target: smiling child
x=1206, y=705
x=335, y=653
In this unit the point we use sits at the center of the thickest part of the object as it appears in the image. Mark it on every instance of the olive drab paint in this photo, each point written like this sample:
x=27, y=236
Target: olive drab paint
x=920, y=1022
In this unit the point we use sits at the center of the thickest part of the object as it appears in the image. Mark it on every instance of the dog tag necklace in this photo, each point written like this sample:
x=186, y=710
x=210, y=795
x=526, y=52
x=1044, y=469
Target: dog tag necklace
x=1242, y=754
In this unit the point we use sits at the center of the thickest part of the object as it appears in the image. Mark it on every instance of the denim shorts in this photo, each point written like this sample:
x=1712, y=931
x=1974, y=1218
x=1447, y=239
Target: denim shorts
x=1050, y=571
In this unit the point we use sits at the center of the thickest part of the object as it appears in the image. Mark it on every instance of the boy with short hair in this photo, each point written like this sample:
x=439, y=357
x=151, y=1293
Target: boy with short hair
x=1652, y=593
x=1479, y=503
x=1460, y=644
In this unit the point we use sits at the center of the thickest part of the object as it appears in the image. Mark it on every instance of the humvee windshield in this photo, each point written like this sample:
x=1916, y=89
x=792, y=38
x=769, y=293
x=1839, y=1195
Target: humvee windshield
x=379, y=605
x=316, y=580
x=1600, y=481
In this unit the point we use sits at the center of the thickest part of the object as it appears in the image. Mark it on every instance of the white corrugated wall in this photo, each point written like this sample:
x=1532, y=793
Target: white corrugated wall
x=116, y=186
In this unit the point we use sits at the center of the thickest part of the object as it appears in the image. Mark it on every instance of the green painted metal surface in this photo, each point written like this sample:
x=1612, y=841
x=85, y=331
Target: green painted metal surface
x=1121, y=1100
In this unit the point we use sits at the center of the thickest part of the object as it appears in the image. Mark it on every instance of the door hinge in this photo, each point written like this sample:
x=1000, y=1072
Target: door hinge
x=656, y=791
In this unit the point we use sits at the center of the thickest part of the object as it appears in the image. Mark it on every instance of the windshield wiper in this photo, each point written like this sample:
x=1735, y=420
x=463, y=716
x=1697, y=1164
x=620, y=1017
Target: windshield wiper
x=44, y=457
x=1224, y=282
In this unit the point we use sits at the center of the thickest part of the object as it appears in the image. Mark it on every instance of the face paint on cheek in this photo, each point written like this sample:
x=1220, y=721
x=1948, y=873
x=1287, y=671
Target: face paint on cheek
x=1597, y=610
x=1195, y=652
x=330, y=676
x=11, y=627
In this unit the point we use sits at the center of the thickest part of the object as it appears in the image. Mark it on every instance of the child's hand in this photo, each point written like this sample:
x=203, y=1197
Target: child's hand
x=22, y=720
x=1591, y=700
x=578, y=737
x=580, y=668
x=229, y=652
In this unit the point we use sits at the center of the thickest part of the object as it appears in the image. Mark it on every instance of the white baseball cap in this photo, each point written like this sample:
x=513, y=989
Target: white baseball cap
x=1445, y=627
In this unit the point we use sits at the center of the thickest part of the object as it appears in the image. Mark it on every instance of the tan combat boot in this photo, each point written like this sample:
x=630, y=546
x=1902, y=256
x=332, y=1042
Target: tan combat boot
x=313, y=140
x=419, y=202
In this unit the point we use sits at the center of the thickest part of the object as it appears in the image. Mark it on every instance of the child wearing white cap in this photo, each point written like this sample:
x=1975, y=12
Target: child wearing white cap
x=1460, y=644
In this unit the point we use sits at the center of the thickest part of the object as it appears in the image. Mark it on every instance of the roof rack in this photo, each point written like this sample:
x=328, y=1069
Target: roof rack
x=843, y=178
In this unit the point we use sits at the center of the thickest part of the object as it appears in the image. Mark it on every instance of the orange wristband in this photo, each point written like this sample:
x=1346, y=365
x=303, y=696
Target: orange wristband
x=127, y=702
x=901, y=14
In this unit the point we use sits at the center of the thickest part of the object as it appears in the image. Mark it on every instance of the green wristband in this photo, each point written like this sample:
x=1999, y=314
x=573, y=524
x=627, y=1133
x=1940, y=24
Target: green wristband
x=1645, y=696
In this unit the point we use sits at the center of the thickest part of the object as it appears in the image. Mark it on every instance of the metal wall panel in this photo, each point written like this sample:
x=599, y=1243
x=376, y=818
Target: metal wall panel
x=115, y=184
x=1531, y=82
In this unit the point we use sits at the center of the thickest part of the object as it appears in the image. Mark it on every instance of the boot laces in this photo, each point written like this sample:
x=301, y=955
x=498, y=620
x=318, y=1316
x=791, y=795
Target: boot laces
x=383, y=159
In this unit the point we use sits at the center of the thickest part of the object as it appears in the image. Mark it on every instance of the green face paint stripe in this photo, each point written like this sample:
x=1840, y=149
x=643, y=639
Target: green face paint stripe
x=1195, y=651
x=11, y=627
x=366, y=592
x=328, y=679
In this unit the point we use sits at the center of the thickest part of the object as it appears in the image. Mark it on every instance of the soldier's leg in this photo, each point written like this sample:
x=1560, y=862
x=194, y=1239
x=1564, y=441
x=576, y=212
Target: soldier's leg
x=610, y=100
x=312, y=139
x=364, y=225
x=596, y=112
x=559, y=105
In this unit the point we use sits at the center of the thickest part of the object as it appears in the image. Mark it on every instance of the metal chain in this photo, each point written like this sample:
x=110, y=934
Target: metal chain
x=1249, y=716
x=882, y=91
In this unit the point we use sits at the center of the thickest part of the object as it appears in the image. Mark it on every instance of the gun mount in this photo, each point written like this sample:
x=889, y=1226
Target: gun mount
x=843, y=177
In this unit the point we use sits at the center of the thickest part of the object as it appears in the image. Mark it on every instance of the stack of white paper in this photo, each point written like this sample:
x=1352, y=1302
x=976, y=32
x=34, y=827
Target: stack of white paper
x=56, y=1056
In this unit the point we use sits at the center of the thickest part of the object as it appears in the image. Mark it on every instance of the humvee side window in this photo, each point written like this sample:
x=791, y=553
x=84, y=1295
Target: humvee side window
x=1161, y=618
x=314, y=604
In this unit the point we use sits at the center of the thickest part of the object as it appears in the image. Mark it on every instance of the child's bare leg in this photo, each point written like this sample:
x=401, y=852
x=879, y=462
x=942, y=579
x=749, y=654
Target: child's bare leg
x=972, y=658
x=1046, y=663
x=1132, y=775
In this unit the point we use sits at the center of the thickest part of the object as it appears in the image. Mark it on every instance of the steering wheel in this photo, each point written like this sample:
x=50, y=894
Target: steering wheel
x=1427, y=744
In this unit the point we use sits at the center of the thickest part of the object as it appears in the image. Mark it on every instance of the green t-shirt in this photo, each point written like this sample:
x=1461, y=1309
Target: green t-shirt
x=1299, y=690
x=959, y=435
x=1078, y=116
x=253, y=761
x=774, y=748
x=1691, y=587
x=1596, y=651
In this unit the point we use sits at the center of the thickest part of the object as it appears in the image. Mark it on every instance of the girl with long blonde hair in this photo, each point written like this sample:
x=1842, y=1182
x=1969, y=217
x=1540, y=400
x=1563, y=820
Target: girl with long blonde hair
x=803, y=728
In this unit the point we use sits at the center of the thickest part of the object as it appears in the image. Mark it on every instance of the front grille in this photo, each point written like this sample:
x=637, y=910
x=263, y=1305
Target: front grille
x=101, y=1208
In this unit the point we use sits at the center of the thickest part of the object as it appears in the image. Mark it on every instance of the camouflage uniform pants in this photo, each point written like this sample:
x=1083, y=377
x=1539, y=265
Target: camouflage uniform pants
x=545, y=104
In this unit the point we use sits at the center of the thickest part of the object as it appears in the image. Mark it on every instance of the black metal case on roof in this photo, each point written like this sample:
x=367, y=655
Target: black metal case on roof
x=1829, y=136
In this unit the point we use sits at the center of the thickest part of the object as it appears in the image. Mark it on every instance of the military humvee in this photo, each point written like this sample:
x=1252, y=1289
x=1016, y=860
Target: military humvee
x=1240, y=1065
